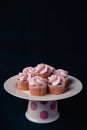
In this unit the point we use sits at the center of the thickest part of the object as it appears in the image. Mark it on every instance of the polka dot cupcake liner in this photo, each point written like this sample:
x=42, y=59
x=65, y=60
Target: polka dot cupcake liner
x=42, y=111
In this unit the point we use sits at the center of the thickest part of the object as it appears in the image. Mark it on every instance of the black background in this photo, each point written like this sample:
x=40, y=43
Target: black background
x=51, y=32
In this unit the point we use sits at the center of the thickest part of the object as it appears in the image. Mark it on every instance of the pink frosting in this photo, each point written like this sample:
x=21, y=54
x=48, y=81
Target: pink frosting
x=38, y=81
x=29, y=77
x=22, y=77
x=55, y=80
x=41, y=69
x=28, y=70
x=61, y=72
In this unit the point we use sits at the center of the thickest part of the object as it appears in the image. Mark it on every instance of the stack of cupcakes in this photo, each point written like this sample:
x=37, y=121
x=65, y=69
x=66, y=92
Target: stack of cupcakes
x=43, y=79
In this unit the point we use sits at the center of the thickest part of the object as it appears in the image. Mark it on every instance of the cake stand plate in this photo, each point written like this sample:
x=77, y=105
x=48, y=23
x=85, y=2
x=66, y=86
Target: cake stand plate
x=42, y=109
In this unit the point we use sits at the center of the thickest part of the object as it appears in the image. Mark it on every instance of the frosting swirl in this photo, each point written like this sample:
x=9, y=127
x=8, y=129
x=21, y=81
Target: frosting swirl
x=42, y=69
x=61, y=72
x=38, y=81
x=22, y=77
x=56, y=80
x=28, y=70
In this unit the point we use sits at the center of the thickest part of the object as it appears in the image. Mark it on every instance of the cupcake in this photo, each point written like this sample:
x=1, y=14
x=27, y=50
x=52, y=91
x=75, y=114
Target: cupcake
x=38, y=86
x=22, y=82
x=64, y=74
x=43, y=70
x=56, y=84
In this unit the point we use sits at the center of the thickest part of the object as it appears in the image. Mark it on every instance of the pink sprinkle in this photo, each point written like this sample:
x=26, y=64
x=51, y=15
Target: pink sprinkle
x=44, y=115
x=33, y=106
x=53, y=105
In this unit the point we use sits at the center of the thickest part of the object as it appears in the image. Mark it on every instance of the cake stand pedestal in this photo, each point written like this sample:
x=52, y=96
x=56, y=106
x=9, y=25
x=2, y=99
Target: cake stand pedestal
x=42, y=109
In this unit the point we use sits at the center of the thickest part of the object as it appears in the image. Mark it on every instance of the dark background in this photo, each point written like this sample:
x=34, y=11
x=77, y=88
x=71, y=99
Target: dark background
x=51, y=32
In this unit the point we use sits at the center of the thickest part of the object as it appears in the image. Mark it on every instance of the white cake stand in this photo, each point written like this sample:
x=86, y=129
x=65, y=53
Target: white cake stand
x=42, y=109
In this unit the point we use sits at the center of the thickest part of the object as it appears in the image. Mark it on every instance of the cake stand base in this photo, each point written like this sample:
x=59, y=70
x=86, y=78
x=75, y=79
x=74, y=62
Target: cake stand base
x=42, y=111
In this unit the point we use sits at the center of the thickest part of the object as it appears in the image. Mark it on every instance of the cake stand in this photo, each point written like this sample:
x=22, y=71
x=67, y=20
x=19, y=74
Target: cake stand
x=42, y=109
